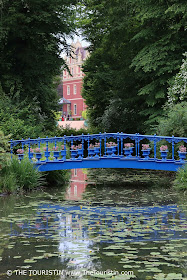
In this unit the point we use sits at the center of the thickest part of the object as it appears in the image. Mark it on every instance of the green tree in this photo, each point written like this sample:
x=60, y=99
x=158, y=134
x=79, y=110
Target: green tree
x=97, y=86
x=109, y=85
x=177, y=91
x=132, y=59
x=19, y=118
x=174, y=121
x=4, y=147
x=33, y=35
x=118, y=117
x=161, y=41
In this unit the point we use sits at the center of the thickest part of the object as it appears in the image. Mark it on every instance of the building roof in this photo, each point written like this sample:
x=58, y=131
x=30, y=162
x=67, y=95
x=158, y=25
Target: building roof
x=82, y=50
x=64, y=101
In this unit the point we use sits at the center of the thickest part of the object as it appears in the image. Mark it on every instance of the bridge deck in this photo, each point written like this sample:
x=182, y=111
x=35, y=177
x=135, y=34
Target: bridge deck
x=109, y=163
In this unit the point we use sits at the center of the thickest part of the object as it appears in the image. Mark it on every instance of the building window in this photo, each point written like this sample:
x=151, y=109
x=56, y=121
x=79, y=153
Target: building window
x=68, y=90
x=75, y=172
x=72, y=71
x=75, y=189
x=75, y=89
x=75, y=109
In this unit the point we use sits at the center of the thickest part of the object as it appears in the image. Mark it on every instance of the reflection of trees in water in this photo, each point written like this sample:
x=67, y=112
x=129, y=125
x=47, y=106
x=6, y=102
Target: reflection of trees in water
x=122, y=196
x=14, y=210
x=131, y=177
x=113, y=185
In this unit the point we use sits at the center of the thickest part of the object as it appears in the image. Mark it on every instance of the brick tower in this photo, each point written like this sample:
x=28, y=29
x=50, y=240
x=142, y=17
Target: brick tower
x=72, y=85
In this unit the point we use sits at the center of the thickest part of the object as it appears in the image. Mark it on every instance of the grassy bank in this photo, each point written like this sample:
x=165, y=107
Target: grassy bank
x=180, y=182
x=21, y=176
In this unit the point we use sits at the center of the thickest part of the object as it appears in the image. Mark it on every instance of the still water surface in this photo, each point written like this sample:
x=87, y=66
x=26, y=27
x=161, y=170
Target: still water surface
x=99, y=223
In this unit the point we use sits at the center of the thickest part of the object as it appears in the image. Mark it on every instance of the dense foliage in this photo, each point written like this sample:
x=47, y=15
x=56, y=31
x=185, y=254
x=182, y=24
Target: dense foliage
x=4, y=147
x=177, y=91
x=19, y=118
x=32, y=38
x=109, y=81
x=57, y=178
x=174, y=121
x=161, y=41
x=16, y=176
x=33, y=35
x=132, y=59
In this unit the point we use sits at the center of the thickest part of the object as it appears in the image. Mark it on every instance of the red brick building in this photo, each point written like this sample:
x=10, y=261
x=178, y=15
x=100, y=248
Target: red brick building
x=73, y=103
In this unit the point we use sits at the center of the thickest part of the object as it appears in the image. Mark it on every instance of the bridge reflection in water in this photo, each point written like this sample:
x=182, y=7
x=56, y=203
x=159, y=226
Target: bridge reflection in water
x=77, y=225
x=77, y=228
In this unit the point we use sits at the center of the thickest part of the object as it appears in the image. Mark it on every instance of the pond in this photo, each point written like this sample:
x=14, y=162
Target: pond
x=106, y=224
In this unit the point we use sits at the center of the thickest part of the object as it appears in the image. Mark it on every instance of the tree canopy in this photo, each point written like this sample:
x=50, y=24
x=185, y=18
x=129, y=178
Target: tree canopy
x=136, y=48
x=33, y=35
x=177, y=91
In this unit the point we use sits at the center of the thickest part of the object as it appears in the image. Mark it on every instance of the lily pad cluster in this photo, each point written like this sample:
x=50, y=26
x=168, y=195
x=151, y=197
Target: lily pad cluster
x=140, y=232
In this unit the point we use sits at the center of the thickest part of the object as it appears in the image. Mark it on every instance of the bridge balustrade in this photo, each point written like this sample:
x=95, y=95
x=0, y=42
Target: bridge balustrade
x=115, y=149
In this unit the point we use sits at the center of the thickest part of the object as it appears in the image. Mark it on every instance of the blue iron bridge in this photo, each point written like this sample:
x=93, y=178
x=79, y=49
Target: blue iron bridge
x=103, y=150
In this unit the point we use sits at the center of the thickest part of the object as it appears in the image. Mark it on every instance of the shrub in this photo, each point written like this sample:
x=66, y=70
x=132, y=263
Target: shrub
x=85, y=114
x=22, y=119
x=57, y=178
x=4, y=147
x=8, y=183
x=68, y=131
x=177, y=91
x=174, y=122
x=20, y=176
x=180, y=182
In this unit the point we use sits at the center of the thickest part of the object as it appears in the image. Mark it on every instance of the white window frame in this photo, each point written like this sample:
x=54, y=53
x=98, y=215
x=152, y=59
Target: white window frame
x=68, y=90
x=75, y=89
x=75, y=109
x=75, y=189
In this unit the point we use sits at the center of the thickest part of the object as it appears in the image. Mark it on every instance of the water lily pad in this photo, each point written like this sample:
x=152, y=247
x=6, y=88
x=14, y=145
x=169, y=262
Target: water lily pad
x=29, y=261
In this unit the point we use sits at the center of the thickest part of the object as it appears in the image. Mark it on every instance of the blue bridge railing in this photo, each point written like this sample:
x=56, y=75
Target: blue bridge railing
x=117, y=150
